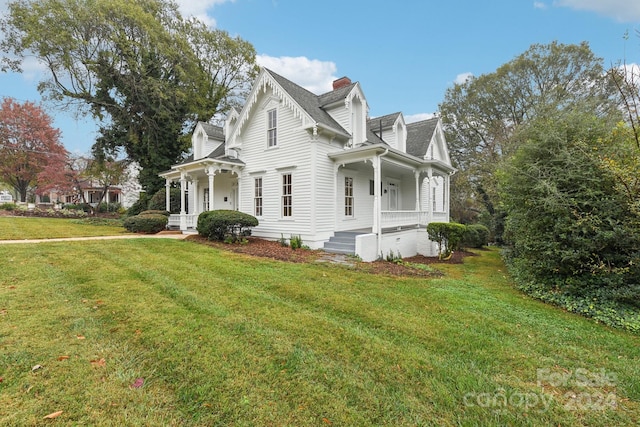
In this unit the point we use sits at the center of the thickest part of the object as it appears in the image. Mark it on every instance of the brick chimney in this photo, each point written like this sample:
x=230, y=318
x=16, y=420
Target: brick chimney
x=341, y=82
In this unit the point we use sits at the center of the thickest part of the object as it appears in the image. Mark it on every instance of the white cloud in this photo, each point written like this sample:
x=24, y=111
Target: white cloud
x=621, y=10
x=199, y=9
x=412, y=118
x=462, y=78
x=539, y=5
x=312, y=74
x=632, y=72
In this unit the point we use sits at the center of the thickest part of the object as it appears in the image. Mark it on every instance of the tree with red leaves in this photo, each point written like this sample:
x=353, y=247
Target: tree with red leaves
x=32, y=159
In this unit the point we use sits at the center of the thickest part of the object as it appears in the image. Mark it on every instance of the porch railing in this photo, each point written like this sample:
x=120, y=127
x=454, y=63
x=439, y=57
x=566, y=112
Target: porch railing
x=403, y=218
x=408, y=218
x=190, y=219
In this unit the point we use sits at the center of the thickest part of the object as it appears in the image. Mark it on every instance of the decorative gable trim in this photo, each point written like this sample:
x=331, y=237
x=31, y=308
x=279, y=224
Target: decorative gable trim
x=263, y=82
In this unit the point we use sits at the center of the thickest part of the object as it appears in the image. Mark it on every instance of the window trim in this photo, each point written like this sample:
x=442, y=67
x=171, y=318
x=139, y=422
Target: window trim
x=258, y=200
x=348, y=197
x=286, y=198
x=272, y=128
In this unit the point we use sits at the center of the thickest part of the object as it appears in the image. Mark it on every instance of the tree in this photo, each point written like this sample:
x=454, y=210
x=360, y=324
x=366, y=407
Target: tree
x=571, y=231
x=482, y=115
x=106, y=173
x=138, y=67
x=31, y=155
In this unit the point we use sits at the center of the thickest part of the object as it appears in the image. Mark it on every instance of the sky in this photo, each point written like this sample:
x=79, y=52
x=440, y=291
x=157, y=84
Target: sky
x=404, y=53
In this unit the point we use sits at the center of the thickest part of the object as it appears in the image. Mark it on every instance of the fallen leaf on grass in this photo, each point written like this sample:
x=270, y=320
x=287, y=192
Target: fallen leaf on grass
x=36, y=367
x=3, y=312
x=12, y=287
x=100, y=362
x=63, y=357
x=1, y=379
x=326, y=421
x=139, y=382
x=53, y=415
x=80, y=337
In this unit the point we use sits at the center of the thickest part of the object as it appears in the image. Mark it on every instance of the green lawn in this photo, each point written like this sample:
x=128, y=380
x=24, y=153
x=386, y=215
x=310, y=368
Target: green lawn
x=225, y=339
x=20, y=228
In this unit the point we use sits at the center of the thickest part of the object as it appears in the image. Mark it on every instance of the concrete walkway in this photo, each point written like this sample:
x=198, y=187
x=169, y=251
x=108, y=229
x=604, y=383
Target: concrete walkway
x=179, y=236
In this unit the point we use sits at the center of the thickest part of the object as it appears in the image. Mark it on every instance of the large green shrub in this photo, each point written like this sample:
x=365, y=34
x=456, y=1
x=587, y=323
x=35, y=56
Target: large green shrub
x=158, y=200
x=448, y=236
x=571, y=232
x=152, y=223
x=225, y=225
x=475, y=236
x=154, y=212
x=108, y=207
x=8, y=206
x=139, y=206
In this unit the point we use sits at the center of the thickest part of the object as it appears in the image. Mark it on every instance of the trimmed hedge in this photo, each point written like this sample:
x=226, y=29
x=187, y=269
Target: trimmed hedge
x=151, y=223
x=154, y=212
x=475, y=236
x=225, y=225
x=448, y=236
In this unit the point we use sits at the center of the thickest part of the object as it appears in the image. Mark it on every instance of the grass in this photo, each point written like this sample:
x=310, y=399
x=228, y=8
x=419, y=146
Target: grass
x=20, y=228
x=225, y=339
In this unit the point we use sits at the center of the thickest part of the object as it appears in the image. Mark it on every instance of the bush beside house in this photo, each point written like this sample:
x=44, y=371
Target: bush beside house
x=225, y=225
x=146, y=223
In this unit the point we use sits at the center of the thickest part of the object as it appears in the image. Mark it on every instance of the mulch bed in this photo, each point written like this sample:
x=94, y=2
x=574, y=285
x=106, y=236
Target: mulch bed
x=274, y=250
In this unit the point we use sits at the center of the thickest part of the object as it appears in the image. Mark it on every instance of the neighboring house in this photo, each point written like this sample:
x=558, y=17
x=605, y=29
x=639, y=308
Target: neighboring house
x=318, y=167
x=126, y=193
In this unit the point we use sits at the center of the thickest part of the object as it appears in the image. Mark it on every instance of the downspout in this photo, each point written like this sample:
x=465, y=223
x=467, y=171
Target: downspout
x=379, y=213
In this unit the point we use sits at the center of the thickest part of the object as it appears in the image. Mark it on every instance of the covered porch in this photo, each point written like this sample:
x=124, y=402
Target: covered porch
x=204, y=185
x=387, y=195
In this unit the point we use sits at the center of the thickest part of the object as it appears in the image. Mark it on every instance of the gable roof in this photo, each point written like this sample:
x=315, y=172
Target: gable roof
x=212, y=131
x=310, y=102
x=384, y=122
x=419, y=135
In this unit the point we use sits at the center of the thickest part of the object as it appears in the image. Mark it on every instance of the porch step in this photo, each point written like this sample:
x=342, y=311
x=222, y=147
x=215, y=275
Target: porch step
x=342, y=242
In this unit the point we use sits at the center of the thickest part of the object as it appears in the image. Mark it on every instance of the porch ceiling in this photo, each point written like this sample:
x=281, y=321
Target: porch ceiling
x=392, y=160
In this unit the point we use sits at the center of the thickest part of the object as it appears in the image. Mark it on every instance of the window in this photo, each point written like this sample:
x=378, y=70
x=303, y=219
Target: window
x=286, y=195
x=272, y=125
x=257, y=196
x=348, y=196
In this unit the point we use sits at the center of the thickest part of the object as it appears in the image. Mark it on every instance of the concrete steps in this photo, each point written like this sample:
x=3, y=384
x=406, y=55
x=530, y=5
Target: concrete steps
x=342, y=242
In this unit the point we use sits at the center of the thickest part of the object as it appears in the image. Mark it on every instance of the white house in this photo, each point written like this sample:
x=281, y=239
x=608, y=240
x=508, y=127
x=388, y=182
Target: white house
x=318, y=167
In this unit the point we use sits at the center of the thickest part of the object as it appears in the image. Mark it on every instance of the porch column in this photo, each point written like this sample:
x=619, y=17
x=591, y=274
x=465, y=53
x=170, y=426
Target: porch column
x=377, y=178
x=238, y=191
x=210, y=174
x=167, y=195
x=196, y=199
x=183, y=213
x=429, y=196
x=416, y=174
x=447, y=187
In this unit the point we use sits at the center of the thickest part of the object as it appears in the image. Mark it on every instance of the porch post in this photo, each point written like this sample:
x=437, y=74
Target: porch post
x=210, y=174
x=416, y=174
x=183, y=213
x=429, y=196
x=447, y=187
x=167, y=195
x=376, y=194
x=196, y=197
x=238, y=190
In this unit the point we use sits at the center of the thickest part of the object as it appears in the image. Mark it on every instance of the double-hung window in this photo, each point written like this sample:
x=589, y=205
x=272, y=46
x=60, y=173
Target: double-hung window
x=287, y=195
x=257, y=196
x=272, y=128
x=348, y=196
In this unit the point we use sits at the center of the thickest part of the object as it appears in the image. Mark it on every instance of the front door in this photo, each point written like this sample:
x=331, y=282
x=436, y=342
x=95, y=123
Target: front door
x=205, y=200
x=393, y=197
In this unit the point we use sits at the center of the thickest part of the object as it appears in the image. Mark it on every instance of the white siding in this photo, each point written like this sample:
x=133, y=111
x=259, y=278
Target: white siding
x=290, y=155
x=342, y=115
x=362, y=201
